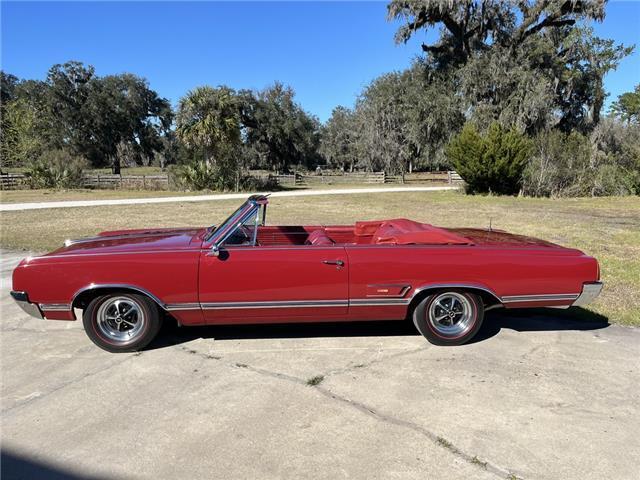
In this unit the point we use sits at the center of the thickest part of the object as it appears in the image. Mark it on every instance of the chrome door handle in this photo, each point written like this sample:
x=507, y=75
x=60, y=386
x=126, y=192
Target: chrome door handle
x=339, y=263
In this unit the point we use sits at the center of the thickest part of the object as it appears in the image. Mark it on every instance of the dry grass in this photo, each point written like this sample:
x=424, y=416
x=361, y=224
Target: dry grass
x=53, y=195
x=607, y=228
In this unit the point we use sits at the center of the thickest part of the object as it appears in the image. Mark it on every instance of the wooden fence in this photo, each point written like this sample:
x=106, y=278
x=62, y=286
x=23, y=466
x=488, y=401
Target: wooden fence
x=14, y=181
x=331, y=178
x=428, y=177
x=128, y=182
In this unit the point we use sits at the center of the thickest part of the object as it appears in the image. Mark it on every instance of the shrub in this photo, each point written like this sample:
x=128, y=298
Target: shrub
x=490, y=163
x=56, y=169
x=203, y=176
x=573, y=165
x=616, y=147
x=250, y=183
x=558, y=165
x=199, y=175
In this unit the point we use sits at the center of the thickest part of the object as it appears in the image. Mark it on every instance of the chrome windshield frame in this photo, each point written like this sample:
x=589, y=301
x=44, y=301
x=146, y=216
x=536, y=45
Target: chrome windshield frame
x=251, y=206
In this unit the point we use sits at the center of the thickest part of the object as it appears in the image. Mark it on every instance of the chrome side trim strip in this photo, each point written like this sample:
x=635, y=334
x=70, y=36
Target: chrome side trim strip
x=170, y=307
x=356, y=302
x=381, y=302
x=278, y=304
x=94, y=286
x=275, y=247
x=55, y=307
x=366, y=302
x=455, y=285
x=124, y=236
x=106, y=254
x=540, y=298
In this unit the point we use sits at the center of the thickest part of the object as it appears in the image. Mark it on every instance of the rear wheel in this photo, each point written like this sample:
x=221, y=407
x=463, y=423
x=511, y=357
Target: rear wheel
x=121, y=322
x=449, y=317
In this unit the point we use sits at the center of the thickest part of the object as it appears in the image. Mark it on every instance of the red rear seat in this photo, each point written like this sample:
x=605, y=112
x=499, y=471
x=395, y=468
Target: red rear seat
x=318, y=237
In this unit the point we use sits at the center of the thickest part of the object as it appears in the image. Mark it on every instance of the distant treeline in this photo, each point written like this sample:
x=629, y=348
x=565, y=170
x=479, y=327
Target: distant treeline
x=511, y=95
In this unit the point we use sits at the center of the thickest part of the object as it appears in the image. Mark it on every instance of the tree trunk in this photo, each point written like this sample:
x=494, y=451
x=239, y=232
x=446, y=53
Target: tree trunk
x=598, y=102
x=115, y=165
x=208, y=157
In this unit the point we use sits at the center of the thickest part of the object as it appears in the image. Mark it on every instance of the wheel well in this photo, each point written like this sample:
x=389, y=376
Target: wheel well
x=488, y=298
x=85, y=297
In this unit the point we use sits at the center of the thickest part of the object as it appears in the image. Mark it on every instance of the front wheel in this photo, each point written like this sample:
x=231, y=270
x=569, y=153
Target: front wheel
x=121, y=322
x=449, y=318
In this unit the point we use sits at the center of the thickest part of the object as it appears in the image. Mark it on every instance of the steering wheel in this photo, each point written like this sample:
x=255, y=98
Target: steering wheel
x=245, y=234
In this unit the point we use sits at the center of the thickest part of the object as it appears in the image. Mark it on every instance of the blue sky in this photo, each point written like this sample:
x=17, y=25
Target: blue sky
x=327, y=51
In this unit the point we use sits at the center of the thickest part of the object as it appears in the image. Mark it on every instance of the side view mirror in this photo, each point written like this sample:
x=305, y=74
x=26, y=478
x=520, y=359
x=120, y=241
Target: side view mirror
x=214, y=252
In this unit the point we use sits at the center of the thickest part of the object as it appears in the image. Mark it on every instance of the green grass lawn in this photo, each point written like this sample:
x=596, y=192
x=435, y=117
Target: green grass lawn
x=607, y=228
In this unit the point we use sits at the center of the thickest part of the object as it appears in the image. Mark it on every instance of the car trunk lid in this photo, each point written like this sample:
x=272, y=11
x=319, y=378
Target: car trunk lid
x=500, y=238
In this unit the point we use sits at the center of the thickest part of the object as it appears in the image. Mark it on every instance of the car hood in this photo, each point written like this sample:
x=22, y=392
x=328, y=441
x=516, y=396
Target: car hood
x=143, y=240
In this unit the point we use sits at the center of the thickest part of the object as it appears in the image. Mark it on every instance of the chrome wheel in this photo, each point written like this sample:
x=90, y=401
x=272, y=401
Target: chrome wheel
x=451, y=314
x=120, y=320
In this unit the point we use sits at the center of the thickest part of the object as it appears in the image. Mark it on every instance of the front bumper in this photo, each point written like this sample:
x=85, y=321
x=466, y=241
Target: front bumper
x=22, y=299
x=589, y=292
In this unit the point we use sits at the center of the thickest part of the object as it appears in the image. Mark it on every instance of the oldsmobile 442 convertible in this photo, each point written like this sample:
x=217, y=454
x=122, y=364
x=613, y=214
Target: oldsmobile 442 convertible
x=243, y=272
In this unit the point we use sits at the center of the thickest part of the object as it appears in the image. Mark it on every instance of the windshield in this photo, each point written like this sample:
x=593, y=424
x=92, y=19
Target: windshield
x=230, y=219
x=245, y=232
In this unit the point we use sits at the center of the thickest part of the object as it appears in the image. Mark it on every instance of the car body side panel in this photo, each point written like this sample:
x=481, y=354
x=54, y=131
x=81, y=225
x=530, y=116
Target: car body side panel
x=255, y=284
x=169, y=277
x=506, y=272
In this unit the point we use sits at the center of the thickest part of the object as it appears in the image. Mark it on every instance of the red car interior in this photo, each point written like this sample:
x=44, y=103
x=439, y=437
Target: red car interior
x=395, y=232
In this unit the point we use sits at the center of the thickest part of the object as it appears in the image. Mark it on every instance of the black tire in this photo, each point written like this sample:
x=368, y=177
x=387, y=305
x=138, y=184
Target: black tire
x=466, y=306
x=133, y=329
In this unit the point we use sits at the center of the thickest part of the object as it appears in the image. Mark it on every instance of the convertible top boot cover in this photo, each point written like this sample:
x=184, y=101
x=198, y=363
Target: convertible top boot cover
x=401, y=231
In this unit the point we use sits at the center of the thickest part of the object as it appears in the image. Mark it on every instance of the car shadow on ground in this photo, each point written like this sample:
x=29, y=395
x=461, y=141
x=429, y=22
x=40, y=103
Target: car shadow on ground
x=529, y=320
x=18, y=466
x=539, y=320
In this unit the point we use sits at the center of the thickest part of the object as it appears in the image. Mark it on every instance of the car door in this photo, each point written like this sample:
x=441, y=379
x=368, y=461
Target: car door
x=260, y=284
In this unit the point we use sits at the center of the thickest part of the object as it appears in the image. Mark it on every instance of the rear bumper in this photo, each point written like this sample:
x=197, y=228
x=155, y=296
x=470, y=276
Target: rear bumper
x=22, y=299
x=589, y=292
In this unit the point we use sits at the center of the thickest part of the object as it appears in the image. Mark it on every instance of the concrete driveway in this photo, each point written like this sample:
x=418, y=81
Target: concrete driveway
x=537, y=396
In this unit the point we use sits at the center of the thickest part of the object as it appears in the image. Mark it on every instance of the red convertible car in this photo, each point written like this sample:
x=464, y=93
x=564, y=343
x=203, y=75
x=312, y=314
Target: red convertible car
x=126, y=282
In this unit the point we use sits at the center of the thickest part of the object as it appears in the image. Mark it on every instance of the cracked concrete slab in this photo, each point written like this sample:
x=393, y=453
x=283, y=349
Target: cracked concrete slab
x=538, y=396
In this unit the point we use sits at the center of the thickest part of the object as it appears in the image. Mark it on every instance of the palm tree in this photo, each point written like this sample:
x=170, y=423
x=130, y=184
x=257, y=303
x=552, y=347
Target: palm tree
x=209, y=119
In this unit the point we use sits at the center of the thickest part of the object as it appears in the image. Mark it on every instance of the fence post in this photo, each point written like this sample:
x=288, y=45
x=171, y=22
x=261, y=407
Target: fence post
x=449, y=180
x=144, y=182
